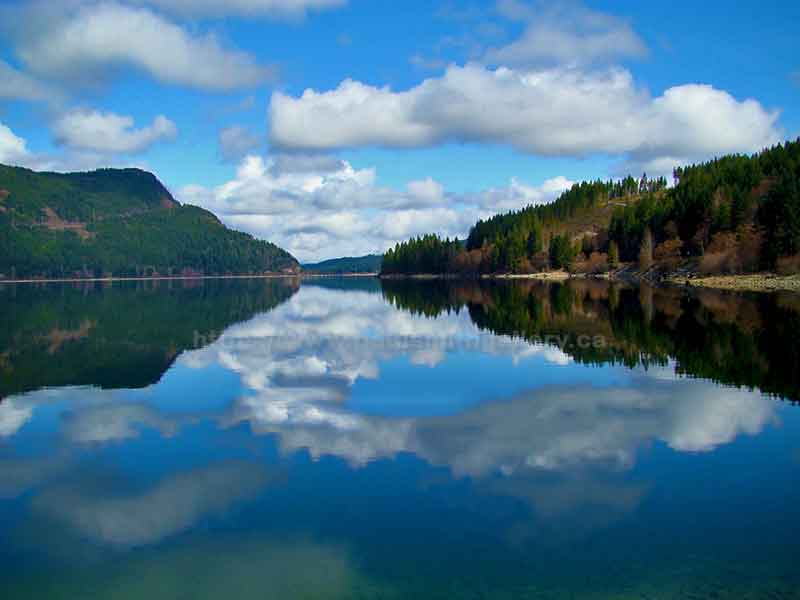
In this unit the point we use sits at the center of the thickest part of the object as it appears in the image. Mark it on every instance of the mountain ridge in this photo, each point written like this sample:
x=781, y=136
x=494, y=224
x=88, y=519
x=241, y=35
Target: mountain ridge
x=369, y=263
x=118, y=223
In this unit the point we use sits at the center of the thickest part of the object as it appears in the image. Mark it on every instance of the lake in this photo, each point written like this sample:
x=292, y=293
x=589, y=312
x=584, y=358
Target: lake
x=351, y=438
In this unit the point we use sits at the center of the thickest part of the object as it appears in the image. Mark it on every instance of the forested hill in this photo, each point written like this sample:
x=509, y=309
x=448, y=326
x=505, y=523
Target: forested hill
x=734, y=214
x=371, y=263
x=117, y=222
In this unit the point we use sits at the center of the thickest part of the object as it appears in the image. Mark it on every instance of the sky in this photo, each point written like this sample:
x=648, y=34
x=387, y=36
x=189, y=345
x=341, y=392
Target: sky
x=339, y=127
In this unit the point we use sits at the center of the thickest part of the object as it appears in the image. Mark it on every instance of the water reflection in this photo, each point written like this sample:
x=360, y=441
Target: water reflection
x=121, y=336
x=338, y=436
x=747, y=340
x=148, y=516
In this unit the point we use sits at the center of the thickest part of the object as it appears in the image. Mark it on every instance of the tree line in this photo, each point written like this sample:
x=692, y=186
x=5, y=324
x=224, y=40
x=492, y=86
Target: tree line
x=736, y=213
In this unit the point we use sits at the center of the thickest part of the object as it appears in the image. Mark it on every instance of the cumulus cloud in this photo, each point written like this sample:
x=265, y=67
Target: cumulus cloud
x=518, y=194
x=565, y=34
x=558, y=111
x=235, y=142
x=426, y=191
x=245, y=8
x=317, y=206
x=108, y=132
x=13, y=149
x=81, y=44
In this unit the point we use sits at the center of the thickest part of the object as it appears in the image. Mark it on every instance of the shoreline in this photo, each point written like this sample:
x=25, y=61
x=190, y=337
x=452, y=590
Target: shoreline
x=157, y=278
x=543, y=276
x=763, y=282
x=185, y=277
x=754, y=282
x=329, y=275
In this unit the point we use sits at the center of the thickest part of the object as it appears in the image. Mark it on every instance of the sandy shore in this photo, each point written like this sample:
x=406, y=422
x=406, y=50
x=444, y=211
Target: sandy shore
x=756, y=282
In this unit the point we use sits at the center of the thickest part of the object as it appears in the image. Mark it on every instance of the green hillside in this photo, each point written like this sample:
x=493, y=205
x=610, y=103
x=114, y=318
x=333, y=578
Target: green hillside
x=120, y=222
x=518, y=241
x=371, y=263
x=734, y=214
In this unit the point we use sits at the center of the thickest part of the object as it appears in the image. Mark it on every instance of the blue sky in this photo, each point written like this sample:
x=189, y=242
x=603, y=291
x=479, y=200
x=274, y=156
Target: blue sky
x=423, y=115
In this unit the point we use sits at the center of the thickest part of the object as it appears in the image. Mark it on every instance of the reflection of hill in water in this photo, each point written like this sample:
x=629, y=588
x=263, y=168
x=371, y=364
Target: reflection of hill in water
x=734, y=339
x=121, y=336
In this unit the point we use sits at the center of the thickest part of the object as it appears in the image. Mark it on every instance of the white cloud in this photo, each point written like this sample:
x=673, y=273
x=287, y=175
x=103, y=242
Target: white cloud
x=354, y=114
x=551, y=112
x=109, y=132
x=426, y=191
x=13, y=149
x=317, y=206
x=245, y=8
x=565, y=34
x=518, y=194
x=236, y=141
x=15, y=85
x=83, y=44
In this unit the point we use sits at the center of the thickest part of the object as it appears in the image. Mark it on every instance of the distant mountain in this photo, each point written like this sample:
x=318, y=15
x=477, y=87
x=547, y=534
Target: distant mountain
x=371, y=263
x=120, y=222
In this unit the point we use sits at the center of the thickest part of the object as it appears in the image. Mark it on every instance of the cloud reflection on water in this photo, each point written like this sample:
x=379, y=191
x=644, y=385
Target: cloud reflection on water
x=137, y=519
x=555, y=446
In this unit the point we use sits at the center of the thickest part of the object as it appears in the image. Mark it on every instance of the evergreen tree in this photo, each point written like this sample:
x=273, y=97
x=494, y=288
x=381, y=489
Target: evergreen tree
x=535, y=240
x=561, y=252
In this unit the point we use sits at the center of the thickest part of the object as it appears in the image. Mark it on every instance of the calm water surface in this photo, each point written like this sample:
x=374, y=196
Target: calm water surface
x=352, y=439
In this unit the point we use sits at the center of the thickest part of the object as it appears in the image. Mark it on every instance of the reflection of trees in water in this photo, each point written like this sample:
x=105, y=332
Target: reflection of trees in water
x=124, y=335
x=735, y=339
